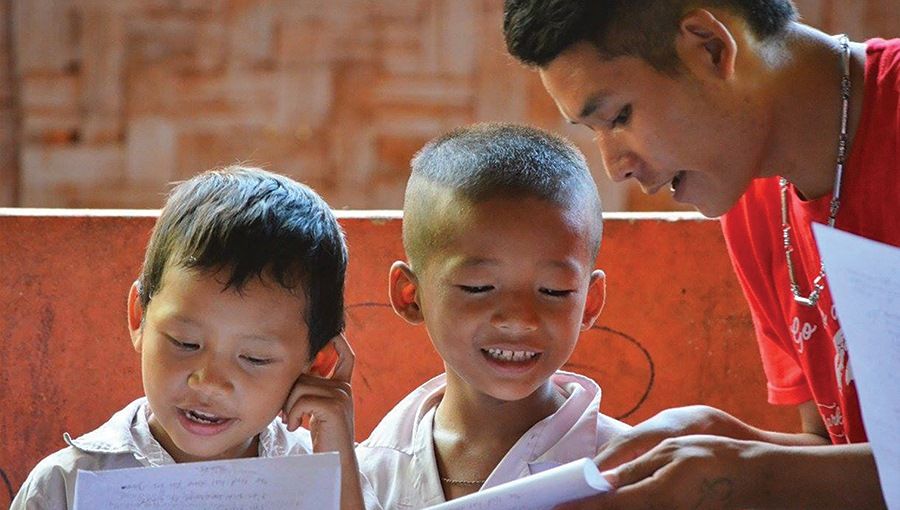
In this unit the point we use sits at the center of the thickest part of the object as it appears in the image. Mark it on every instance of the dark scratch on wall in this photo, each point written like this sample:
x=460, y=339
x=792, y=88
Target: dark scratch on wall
x=9, y=489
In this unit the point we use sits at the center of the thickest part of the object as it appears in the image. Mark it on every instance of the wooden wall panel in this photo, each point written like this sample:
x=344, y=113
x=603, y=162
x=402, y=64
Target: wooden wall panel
x=675, y=330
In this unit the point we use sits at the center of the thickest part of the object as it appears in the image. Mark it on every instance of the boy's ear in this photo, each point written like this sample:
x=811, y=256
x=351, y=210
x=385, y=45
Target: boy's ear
x=325, y=361
x=402, y=290
x=135, y=314
x=705, y=45
x=596, y=298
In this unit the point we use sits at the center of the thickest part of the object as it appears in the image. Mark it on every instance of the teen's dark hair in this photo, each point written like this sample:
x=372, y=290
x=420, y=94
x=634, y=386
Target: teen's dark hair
x=252, y=223
x=489, y=160
x=537, y=31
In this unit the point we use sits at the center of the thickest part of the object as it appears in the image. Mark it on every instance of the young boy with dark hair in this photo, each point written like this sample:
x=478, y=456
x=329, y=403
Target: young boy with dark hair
x=745, y=113
x=501, y=226
x=237, y=316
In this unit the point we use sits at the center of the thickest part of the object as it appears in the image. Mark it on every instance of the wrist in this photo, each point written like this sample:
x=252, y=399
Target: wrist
x=336, y=443
x=760, y=466
x=822, y=477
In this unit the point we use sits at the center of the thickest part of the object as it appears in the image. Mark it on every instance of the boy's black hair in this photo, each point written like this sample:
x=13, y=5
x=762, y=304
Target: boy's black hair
x=494, y=160
x=537, y=31
x=252, y=223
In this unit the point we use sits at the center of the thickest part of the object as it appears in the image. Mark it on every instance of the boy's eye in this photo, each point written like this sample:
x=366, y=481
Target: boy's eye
x=557, y=292
x=622, y=117
x=476, y=289
x=253, y=360
x=184, y=346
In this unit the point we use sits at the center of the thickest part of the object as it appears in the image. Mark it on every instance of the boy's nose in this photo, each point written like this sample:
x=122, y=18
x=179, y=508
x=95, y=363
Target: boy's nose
x=517, y=315
x=210, y=378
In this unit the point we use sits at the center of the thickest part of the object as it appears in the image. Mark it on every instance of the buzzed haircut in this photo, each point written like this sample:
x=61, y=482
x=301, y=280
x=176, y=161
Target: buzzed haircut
x=252, y=223
x=537, y=31
x=494, y=160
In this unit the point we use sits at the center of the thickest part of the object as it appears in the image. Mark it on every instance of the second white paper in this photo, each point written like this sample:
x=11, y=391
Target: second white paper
x=864, y=279
x=569, y=482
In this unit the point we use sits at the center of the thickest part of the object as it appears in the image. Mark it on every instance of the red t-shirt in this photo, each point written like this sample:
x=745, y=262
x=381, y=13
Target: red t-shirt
x=803, y=350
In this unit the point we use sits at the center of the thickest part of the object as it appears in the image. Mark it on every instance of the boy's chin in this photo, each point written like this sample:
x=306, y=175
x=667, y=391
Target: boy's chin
x=513, y=393
x=194, y=454
x=191, y=448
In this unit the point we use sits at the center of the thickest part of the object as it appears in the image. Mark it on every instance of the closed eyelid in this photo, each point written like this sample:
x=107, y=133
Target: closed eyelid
x=475, y=288
x=558, y=291
x=259, y=360
x=182, y=344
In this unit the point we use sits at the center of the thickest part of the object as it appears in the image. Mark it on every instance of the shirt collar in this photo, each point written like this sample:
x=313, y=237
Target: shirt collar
x=569, y=433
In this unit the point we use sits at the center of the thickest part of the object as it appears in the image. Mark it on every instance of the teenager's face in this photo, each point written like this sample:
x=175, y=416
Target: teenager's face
x=503, y=297
x=693, y=134
x=217, y=364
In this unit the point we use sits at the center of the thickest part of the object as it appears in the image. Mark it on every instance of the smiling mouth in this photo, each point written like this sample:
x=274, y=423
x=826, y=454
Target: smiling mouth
x=508, y=355
x=673, y=186
x=203, y=418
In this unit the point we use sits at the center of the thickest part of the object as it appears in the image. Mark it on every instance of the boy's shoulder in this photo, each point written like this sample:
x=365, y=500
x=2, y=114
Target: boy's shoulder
x=397, y=459
x=51, y=484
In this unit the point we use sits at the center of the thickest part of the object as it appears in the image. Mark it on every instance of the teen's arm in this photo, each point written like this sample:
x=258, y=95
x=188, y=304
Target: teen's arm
x=700, y=457
x=329, y=404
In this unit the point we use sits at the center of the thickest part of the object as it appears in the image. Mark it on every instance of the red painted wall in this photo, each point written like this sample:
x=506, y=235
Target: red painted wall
x=675, y=330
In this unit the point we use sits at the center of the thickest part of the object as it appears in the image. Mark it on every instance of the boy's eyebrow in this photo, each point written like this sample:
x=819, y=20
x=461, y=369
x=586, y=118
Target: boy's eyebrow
x=191, y=322
x=566, y=265
x=180, y=318
x=261, y=338
x=477, y=261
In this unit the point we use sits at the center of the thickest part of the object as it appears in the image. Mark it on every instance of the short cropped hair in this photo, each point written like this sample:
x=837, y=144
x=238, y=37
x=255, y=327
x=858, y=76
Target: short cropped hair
x=495, y=160
x=537, y=31
x=254, y=224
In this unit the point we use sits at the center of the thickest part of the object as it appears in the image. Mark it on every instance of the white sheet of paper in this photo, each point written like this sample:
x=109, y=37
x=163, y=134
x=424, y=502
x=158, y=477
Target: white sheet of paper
x=569, y=482
x=864, y=279
x=308, y=482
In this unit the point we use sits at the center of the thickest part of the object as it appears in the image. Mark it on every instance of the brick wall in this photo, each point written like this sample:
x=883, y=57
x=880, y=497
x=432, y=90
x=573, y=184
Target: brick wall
x=119, y=97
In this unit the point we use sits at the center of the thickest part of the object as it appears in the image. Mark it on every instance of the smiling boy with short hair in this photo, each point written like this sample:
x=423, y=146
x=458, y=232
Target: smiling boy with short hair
x=237, y=317
x=502, y=224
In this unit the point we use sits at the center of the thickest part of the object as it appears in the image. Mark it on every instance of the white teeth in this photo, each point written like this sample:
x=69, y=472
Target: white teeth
x=202, y=417
x=505, y=355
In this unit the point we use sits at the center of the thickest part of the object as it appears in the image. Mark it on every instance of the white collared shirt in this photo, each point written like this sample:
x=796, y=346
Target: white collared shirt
x=398, y=458
x=125, y=441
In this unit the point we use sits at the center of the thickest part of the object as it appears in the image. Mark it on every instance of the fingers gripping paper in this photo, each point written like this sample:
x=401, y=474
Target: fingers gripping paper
x=569, y=482
x=307, y=482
